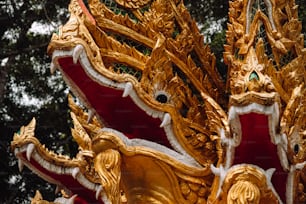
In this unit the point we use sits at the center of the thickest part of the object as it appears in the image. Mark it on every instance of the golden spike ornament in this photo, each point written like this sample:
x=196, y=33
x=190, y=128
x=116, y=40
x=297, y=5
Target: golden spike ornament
x=107, y=165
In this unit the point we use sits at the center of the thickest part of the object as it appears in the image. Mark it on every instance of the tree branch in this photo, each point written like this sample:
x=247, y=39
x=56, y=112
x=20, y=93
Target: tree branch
x=12, y=53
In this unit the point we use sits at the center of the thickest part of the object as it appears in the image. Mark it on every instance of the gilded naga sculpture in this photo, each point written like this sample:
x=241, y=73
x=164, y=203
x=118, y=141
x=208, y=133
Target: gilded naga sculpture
x=161, y=125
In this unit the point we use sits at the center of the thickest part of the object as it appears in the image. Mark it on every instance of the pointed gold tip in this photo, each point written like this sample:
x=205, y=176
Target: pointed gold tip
x=38, y=197
x=32, y=123
x=72, y=105
x=27, y=130
x=73, y=116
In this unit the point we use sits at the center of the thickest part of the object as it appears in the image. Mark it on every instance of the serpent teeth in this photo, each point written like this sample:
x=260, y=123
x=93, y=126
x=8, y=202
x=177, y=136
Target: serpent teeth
x=16, y=151
x=58, y=189
x=30, y=150
x=90, y=115
x=53, y=68
x=75, y=172
x=71, y=199
x=98, y=192
x=269, y=173
x=127, y=89
x=76, y=53
x=20, y=165
x=166, y=120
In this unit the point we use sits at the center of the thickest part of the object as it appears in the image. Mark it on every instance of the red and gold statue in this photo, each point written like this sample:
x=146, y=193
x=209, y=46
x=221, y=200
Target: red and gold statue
x=161, y=126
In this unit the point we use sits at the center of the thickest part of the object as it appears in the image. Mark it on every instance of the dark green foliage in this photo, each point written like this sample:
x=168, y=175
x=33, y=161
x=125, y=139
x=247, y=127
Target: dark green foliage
x=207, y=13
x=302, y=16
x=217, y=42
x=25, y=80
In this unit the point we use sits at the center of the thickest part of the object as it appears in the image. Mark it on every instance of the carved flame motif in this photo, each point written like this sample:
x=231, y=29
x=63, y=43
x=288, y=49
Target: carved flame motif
x=160, y=127
x=274, y=31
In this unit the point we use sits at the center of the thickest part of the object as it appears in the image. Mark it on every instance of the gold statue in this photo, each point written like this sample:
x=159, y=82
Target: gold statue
x=161, y=125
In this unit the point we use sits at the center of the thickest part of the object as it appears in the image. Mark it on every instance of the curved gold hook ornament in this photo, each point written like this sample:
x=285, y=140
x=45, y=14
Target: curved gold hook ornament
x=107, y=165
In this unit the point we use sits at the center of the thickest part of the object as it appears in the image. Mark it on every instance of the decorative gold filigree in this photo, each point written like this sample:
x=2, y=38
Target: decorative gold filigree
x=107, y=165
x=112, y=33
x=88, y=120
x=187, y=108
x=158, y=49
x=278, y=49
x=143, y=164
x=243, y=192
x=74, y=32
x=162, y=17
x=38, y=199
x=27, y=136
x=133, y=4
x=265, y=55
x=194, y=190
x=300, y=186
x=246, y=184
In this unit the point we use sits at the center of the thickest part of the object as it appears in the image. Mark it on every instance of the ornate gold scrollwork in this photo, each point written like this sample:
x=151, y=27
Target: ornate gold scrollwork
x=243, y=192
x=173, y=73
x=107, y=165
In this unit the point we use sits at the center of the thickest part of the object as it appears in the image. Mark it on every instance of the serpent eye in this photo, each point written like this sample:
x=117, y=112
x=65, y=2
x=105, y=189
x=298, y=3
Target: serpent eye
x=162, y=97
x=296, y=148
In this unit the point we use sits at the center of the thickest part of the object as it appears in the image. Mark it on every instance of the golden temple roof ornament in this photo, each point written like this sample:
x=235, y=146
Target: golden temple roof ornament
x=160, y=127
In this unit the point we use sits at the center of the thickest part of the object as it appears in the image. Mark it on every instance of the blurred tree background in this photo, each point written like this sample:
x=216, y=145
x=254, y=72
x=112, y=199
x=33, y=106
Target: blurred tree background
x=27, y=89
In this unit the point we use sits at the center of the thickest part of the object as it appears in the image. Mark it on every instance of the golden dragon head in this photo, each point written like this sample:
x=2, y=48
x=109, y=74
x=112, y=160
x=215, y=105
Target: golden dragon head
x=147, y=69
x=266, y=60
x=142, y=68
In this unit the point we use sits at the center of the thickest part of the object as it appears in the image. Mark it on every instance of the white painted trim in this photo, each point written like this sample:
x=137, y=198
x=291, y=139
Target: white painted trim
x=183, y=158
x=272, y=112
x=103, y=81
x=80, y=178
